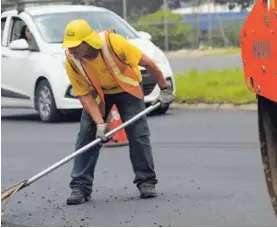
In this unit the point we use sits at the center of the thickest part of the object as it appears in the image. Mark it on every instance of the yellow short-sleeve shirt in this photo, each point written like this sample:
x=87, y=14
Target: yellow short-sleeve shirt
x=125, y=50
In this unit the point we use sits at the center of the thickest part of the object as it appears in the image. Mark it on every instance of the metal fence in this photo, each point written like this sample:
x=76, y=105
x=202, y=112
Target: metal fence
x=193, y=34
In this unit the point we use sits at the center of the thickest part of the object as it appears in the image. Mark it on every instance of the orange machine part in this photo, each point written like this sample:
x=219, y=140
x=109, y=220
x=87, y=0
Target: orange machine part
x=258, y=40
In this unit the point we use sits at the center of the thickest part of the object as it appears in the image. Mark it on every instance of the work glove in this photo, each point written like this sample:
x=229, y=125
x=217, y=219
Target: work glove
x=166, y=97
x=101, y=131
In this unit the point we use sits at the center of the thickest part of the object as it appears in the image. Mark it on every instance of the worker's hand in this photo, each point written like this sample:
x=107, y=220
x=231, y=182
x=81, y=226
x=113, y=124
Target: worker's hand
x=101, y=131
x=166, y=97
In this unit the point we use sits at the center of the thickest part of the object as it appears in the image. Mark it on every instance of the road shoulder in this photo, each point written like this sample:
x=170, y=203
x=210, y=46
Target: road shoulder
x=247, y=107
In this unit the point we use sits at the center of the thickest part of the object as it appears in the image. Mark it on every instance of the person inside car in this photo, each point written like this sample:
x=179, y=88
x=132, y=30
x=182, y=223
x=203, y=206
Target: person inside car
x=27, y=35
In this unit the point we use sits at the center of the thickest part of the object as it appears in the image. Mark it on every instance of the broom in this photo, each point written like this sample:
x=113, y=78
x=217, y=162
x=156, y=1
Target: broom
x=8, y=193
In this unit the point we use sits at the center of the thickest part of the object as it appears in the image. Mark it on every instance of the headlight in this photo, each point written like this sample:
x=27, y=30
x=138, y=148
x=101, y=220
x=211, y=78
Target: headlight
x=70, y=93
x=169, y=82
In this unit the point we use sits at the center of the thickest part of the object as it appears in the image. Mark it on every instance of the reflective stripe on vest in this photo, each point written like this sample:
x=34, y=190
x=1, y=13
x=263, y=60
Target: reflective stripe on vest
x=113, y=66
x=78, y=64
x=90, y=75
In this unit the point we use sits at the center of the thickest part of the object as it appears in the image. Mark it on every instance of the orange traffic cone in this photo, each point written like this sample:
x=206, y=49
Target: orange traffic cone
x=119, y=138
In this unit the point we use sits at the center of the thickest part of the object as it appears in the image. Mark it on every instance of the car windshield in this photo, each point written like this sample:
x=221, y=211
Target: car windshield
x=51, y=26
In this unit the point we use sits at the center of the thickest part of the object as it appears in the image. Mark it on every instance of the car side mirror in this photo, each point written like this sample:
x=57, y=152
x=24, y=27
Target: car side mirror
x=20, y=44
x=145, y=35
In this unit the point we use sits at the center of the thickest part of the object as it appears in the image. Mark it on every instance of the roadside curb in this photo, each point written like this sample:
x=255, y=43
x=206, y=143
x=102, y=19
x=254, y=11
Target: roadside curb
x=248, y=107
x=198, y=54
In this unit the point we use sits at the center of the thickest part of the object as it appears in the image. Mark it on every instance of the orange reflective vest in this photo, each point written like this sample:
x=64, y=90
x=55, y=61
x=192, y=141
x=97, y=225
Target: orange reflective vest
x=123, y=73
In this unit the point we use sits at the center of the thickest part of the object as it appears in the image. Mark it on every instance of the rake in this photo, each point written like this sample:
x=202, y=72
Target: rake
x=8, y=193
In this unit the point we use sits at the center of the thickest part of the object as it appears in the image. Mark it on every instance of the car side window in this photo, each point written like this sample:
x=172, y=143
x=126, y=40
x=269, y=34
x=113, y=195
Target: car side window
x=21, y=31
x=3, y=23
x=17, y=26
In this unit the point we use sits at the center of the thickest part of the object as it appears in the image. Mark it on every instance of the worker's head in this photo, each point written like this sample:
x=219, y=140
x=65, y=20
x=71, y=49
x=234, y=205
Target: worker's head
x=81, y=40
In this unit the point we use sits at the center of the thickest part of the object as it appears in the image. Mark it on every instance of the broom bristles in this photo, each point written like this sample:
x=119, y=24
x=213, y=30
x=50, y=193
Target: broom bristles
x=12, y=190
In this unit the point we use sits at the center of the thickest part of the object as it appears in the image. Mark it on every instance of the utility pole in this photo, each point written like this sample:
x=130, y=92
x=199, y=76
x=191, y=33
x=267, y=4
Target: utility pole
x=125, y=9
x=165, y=26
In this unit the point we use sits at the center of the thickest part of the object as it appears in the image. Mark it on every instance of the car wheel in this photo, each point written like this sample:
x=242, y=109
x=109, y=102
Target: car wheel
x=45, y=102
x=161, y=111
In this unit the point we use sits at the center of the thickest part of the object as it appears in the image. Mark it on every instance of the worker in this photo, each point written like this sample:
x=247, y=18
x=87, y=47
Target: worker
x=103, y=69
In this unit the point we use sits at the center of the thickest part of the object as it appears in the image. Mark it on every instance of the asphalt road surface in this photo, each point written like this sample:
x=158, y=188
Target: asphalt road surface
x=207, y=162
x=182, y=64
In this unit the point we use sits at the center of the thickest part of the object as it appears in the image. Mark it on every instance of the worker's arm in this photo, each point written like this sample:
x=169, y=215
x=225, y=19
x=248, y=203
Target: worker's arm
x=166, y=96
x=92, y=108
x=132, y=55
x=153, y=70
x=83, y=91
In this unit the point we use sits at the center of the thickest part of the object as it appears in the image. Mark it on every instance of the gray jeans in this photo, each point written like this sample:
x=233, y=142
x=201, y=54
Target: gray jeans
x=139, y=144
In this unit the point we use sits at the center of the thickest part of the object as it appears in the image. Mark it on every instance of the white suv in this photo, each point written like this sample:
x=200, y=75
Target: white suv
x=33, y=73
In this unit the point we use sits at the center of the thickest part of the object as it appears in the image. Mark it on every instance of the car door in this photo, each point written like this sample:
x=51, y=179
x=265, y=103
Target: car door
x=6, y=91
x=17, y=71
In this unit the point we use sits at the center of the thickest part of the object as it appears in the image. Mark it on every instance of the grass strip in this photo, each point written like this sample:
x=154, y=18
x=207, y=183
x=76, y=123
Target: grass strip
x=213, y=86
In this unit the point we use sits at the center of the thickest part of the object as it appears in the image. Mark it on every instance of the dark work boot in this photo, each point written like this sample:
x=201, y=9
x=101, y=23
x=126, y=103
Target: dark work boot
x=147, y=190
x=77, y=197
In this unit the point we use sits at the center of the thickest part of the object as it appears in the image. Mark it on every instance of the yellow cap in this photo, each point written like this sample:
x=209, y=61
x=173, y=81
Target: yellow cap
x=78, y=31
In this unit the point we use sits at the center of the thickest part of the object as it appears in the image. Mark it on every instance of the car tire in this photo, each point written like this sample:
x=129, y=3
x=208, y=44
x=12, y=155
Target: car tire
x=161, y=111
x=45, y=103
